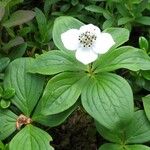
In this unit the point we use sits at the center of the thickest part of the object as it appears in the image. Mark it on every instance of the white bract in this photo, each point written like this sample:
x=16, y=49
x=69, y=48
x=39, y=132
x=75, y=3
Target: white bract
x=88, y=42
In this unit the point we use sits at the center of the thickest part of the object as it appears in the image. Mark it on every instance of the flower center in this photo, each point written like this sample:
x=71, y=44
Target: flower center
x=87, y=39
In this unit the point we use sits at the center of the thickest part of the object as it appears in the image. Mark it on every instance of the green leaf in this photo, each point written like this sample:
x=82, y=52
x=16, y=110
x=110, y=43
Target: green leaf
x=120, y=35
x=31, y=138
x=18, y=51
x=61, y=25
x=122, y=9
x=4, y=104
x=146, y=74
x=138, y=131
x=19, y=17
x=3, y=63
x=143, y=43
x=11, y=3
x=42, y=22
x=61, y=92
x=136, y=1
x=108, y=98
x=137, y=147
x=8, y=123
x=8, y=93
x=24, y=31
x=124, y=20
x=28, y=87
x=145, y=20
x=124, y=57
x=53, y=120
x=1, y=146
x=95, y=9
x=47, y=5
x=109, y=146
x=121, y=147
x=74, y=2
x=108, y=23
x=2, y=12
x=55, y=62
x=12, y=43
x=109, y=135
x=146, y=102
x=1, y=92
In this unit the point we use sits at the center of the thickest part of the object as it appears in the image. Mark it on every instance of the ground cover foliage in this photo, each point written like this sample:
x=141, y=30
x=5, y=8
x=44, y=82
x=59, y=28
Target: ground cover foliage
x=50, y=100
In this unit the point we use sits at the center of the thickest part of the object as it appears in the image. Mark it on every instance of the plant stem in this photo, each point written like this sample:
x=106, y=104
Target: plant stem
x=90, y=69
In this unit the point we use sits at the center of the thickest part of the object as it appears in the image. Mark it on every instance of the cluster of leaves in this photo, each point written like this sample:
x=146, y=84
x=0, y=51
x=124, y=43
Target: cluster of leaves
x=106, y=96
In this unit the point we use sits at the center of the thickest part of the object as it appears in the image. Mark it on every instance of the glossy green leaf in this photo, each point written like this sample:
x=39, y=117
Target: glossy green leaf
x=112, y=136
x=8, y=123
x=124, y=57
x=19, y=17
x=55, y=62
x=28, y=87
x=143, y=43
x=31, y=138
x=108, y=98
x=146, y=102
x=61, y=92
x=138, y=131
x=3, y=63
x=61, y=25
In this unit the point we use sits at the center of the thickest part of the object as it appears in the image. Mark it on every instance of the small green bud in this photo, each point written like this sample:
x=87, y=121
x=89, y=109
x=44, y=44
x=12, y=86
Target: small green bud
x=8, y=93
x=143, y=43
x=4, y=104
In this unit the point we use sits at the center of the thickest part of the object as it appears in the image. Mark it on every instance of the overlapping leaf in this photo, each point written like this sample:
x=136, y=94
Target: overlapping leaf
x=31, y=138
x=137, y=131
x=55, y=62
x=53, y=120
x=124, y=57
x=61, y=92
x=7, y=123
x=108, y=98
x=28, y=87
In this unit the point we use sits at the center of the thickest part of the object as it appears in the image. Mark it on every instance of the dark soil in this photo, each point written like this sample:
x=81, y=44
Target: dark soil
x=78, y=133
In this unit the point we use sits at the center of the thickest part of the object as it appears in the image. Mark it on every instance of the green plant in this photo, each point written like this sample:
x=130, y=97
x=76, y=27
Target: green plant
x=105, y=96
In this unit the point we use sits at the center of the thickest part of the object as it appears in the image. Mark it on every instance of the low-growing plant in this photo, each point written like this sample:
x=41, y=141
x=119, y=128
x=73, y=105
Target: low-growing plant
x=55, y=59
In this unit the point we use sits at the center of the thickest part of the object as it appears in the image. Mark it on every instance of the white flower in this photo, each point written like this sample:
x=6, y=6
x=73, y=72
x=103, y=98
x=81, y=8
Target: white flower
x=88, y=42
